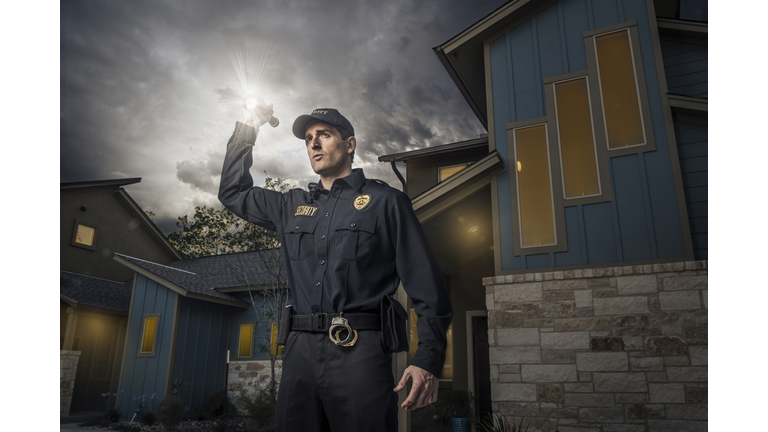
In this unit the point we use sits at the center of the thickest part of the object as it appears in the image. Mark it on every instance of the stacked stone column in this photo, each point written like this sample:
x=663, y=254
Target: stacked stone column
x=604, y=349
x=247, y=378
x=67, y=375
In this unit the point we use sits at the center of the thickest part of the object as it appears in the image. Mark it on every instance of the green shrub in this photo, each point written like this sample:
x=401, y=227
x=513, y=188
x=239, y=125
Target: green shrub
x=171, y=412
x=216, y=406
x=258, y=406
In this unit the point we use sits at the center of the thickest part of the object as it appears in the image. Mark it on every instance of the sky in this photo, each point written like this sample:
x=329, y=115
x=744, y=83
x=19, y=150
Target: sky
x=153, y=89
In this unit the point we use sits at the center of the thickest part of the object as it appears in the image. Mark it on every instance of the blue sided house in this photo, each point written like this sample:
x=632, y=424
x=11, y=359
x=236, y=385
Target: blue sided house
x=574, y=233
x=188, y=319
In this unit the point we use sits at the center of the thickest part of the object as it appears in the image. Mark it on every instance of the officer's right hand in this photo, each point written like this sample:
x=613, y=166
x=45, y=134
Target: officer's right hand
x=254, y=118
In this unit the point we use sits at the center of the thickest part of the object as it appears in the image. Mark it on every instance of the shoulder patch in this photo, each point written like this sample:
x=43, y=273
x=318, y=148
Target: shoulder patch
x=306, y=210
x=362, y=201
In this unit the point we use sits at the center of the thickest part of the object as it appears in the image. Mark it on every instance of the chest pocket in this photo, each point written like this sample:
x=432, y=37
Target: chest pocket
x=300, y=238
x=355, y=238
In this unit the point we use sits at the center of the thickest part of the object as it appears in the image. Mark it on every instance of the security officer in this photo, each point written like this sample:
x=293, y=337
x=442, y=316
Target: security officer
x=346, y=244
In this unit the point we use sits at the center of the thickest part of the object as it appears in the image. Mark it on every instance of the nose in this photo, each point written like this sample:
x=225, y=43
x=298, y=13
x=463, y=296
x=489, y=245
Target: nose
x=314, y=143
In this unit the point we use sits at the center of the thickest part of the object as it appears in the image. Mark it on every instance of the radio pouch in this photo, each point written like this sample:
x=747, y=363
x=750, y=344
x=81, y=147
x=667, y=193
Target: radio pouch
x=285, y=325
x=394, y=320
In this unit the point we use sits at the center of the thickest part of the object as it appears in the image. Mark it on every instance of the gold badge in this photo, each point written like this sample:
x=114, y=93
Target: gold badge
x=362, y=201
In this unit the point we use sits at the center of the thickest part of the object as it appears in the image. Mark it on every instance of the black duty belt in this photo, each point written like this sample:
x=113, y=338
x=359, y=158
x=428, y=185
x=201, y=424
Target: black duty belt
x=322, y=322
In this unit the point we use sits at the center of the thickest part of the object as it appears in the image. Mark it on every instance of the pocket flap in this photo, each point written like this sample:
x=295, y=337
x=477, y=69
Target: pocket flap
x=367, y=224
x=301, y=224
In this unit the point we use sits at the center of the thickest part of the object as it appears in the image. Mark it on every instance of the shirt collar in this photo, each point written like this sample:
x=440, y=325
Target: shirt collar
x=354, y=180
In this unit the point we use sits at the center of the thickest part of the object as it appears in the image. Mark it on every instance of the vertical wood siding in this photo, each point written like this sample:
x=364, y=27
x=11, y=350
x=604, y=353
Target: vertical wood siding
x=201, y=350
x=249, y=314
x=686, y=68
x=692, y=144
x=642, y=222
x=146, y=375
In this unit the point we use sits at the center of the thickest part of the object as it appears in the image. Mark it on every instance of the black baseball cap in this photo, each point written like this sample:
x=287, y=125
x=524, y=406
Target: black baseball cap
x=326, y=115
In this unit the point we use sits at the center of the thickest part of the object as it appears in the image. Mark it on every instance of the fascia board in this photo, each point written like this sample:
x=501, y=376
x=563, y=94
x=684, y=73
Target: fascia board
x=686, y=102
x=457, y=180
x=225, y=302
x=482, y=25
x=69, y=301
x=173, y=287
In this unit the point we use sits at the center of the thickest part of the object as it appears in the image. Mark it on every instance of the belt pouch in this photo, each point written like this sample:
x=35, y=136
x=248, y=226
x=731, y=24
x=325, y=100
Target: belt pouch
x=394, y=319
x=285, y=325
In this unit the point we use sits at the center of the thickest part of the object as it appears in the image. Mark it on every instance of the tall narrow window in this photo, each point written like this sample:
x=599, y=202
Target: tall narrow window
x=619, y=90
x=577, y=144
x=534, y=186
x=274, y=348
x=447, y=372
x=245, y=341
x=148, y=336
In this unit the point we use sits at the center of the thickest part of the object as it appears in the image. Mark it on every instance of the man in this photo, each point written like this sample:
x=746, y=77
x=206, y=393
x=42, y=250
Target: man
x=346, y=244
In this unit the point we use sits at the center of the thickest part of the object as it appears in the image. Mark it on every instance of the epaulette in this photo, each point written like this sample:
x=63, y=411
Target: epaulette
x=379, y=182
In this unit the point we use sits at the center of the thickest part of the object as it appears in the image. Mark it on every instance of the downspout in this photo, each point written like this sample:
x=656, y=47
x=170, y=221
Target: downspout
x=400, y=176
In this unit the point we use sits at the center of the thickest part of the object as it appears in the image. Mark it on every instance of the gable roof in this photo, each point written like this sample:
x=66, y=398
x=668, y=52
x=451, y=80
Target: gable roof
x=77, y=289
x=132, y=207
x=463, y=56
x=209, y=278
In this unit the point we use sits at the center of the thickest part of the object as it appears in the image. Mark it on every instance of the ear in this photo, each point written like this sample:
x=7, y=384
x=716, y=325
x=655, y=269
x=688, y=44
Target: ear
x=351, y=144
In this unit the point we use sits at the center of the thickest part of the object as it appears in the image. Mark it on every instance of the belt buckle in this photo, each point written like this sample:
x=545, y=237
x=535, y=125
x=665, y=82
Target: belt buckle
x=319, y=321
x=340, y=321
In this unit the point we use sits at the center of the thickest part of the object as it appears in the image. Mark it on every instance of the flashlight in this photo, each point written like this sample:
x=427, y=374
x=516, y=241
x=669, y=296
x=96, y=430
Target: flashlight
x=255, y=103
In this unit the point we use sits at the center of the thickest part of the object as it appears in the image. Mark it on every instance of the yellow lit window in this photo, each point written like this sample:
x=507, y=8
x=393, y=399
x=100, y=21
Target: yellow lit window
x=445, y=172
x=273, y=342
x=85, y=235
x=618, y=87
x=148, y=335
x=245, y=342
x=577, y=147
x=537, y=219
x=447, y=372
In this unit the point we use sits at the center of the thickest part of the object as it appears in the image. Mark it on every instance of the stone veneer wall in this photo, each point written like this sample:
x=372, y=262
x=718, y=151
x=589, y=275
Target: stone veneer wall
x=605, y=349
x=248, y=377
x=68, y=372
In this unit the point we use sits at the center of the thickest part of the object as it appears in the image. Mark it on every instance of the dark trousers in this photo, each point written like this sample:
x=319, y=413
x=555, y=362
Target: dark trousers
x=325, y=387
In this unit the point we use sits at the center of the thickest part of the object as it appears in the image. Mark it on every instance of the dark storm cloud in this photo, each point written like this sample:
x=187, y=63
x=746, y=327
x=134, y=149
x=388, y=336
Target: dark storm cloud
x=151, y=88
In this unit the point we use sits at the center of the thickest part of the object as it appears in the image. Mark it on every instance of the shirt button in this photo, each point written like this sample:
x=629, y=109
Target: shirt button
x=326, y=215
x=323, y=237
x=353, y=225
x=297, y=227
x=322, y=262
x=317, y=283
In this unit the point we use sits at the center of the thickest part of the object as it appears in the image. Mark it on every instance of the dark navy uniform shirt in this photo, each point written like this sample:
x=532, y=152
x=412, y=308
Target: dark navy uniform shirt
x=346, y=247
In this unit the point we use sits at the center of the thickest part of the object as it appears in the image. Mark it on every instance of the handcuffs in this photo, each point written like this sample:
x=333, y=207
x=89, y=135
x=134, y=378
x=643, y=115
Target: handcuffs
x=340, y=321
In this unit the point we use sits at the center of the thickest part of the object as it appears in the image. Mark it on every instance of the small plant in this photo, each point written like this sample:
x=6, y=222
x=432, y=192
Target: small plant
x=95, y=420
x=258, y=406
x=148, y=417
x=171, y=413
x=113, y=415
x=452, y=404
x=498, y=423
x=217, y=405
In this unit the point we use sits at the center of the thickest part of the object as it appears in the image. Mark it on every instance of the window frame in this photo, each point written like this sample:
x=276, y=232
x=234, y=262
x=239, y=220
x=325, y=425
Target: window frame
x=598, y=110
x=74, y=242
x=561, y=243
x=600, y=146
x=155, y=341
x=240, y=325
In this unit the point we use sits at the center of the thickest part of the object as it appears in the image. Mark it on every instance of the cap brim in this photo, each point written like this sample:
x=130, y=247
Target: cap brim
x=300, y=125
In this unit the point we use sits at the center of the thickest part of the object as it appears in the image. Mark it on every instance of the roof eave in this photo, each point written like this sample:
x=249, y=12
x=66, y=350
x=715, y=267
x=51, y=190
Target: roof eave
x=436, y=150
